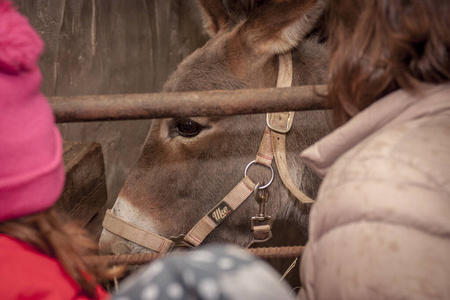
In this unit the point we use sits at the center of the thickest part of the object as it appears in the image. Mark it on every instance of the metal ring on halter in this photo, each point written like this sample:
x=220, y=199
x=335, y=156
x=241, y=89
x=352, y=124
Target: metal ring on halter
x=271, y=179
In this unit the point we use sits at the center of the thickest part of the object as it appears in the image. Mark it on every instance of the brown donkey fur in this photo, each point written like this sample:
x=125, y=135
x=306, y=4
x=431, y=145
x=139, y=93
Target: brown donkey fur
x=188, y=165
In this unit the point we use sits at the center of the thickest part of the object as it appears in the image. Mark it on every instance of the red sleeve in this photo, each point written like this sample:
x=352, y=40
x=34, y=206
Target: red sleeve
x=28, y=274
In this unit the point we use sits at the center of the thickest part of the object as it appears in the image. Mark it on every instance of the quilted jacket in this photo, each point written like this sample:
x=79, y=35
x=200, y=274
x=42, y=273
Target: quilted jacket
x=380, y=228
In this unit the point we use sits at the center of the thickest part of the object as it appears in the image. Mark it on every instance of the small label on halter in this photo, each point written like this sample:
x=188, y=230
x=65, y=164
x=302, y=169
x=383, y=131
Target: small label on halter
x=220, y=212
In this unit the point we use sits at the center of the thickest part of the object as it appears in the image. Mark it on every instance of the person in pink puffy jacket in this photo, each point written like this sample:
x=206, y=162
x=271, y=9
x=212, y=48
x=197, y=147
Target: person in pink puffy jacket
x=380, y=228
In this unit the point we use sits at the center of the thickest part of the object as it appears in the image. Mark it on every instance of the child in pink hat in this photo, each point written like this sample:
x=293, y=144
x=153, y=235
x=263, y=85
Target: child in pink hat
x=40, y=258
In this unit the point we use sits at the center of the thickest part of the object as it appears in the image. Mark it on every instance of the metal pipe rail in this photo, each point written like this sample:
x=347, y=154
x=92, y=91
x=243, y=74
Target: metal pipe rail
x=193, y=104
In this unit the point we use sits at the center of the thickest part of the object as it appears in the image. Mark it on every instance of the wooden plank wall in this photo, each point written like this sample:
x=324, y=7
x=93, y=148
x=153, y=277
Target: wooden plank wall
x=85, y=195
x=108, y=47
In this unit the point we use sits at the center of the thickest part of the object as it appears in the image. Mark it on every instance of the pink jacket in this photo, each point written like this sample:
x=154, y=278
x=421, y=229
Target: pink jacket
x=380, y=228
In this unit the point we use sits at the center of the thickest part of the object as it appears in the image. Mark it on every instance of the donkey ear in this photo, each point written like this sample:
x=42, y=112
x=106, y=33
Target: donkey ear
x=277, y=26
x=223, y=14
x=214, y=15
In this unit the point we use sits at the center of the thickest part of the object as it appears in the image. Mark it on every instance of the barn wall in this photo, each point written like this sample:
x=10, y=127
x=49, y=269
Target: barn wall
x=108, y=47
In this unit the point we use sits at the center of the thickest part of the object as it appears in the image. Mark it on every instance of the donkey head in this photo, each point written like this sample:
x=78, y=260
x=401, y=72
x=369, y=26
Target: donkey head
x=187, y=165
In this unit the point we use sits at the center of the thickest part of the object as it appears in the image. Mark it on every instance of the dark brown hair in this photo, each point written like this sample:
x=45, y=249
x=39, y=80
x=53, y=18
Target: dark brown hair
x=379, y=46
x=67, y=243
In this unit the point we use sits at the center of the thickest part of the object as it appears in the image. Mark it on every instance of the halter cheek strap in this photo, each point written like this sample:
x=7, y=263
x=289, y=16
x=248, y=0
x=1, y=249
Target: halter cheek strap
x=280, y=124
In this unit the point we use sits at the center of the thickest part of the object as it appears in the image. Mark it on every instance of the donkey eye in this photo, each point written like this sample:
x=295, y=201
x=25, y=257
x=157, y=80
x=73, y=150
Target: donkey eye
x=188, y=127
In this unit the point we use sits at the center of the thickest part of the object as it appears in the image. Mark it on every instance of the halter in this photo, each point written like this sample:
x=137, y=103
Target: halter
x=273, y=145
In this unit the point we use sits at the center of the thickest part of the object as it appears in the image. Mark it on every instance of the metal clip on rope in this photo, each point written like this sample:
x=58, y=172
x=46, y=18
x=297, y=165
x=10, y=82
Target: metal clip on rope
x=262, y=232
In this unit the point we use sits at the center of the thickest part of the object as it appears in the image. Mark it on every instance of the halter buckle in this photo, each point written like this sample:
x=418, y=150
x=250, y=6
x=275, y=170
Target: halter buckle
x=280, y=122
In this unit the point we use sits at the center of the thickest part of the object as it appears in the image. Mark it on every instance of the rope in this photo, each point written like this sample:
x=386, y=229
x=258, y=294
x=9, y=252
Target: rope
x=143, y=258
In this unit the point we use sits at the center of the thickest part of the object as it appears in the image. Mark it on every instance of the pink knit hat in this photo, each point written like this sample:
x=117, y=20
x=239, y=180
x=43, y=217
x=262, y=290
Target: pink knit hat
x=31, y=168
